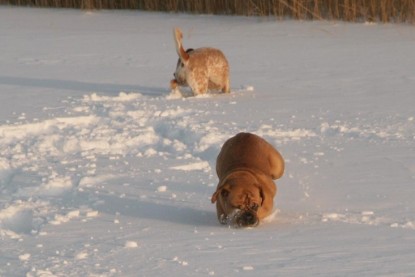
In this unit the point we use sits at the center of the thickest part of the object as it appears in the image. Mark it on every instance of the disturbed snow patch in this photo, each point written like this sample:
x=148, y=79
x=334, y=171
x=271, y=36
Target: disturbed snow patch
x=204, y=165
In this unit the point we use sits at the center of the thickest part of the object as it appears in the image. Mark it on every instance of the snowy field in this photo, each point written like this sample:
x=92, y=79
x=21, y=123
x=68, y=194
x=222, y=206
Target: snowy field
x=102, y=173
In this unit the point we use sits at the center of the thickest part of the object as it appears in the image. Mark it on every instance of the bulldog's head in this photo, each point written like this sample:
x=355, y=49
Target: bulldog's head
x=239, y=198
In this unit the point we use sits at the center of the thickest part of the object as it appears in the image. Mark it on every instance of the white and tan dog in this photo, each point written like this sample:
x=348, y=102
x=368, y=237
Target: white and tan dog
x=201, y=69
x=246, y=167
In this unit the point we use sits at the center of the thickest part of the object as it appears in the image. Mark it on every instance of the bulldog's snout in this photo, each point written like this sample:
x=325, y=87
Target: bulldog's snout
x=247, y=219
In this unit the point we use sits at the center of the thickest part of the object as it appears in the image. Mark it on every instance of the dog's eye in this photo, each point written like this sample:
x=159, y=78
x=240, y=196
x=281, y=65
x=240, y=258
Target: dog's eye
x=181, y=64
x=255, y=207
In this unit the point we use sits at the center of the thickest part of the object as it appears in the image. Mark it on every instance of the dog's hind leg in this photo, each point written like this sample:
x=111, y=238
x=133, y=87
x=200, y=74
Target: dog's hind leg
x=276, y=163
x=200, y=87
x=226, y=88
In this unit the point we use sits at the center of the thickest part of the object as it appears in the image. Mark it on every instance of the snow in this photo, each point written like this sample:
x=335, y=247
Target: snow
x=131, y=244
x=104, y=173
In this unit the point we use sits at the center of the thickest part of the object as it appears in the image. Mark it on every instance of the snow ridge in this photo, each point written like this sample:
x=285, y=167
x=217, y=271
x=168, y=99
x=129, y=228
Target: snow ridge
x=127, y=125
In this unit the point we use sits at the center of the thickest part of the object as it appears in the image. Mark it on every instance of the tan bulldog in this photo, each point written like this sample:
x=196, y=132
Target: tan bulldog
x=246, y=167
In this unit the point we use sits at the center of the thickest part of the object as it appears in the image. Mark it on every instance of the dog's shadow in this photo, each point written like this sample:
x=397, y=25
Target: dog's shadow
x=142, y=208
x=82, y=86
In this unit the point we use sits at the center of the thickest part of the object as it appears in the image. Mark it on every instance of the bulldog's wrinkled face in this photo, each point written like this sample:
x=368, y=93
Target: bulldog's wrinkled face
x=180, y=73
x=240, y=204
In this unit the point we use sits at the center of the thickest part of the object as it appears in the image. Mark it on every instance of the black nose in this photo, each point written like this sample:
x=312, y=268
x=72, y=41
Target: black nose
x=248, y=218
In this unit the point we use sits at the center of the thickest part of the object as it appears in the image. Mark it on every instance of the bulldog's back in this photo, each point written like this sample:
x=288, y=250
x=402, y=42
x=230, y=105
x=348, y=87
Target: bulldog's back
x=246, y=150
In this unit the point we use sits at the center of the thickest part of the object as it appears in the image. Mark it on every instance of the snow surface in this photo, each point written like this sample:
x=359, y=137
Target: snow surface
x=102, y=173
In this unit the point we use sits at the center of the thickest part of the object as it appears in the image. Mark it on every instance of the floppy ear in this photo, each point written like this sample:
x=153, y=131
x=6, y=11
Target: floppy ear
x=224, y=192
x=262, y=194
x=267, y=191
x=215, y=196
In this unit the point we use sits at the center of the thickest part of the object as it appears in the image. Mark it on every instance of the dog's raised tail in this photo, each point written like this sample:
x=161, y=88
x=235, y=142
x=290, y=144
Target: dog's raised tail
x=178, y=37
